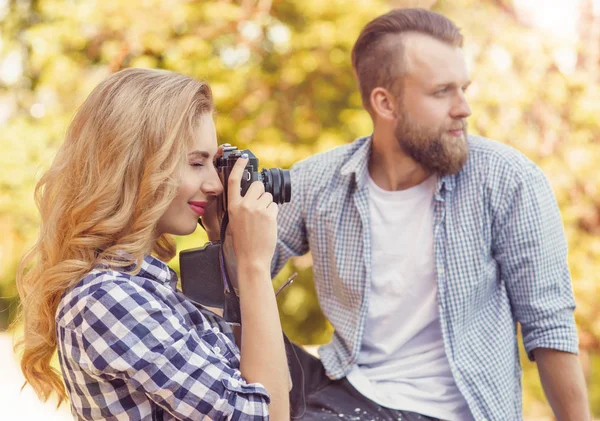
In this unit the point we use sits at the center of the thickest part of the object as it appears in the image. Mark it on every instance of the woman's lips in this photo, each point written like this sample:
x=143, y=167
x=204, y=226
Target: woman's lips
x=197, y=207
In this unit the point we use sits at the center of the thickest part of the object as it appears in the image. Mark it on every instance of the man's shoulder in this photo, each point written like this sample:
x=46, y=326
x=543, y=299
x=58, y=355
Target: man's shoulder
x=329, y=163
x=498, y=159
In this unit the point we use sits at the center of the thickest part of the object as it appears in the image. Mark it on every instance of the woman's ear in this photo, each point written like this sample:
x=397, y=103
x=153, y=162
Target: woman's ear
x=383, y=104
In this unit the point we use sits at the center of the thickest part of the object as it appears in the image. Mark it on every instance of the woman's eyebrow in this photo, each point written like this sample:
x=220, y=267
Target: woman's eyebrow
x=202, y=154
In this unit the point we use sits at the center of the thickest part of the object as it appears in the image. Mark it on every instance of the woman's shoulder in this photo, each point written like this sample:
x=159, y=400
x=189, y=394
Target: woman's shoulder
x=98, y=285
x=103, y=295
x=103, y=282
x=114, y=312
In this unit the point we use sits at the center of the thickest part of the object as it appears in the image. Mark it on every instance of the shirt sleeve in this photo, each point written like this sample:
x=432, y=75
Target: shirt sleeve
x=531, y=250
x=291, y=230
x=132, y=336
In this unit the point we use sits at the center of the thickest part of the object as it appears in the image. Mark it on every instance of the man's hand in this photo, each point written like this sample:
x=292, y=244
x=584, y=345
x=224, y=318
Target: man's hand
x=564, y=384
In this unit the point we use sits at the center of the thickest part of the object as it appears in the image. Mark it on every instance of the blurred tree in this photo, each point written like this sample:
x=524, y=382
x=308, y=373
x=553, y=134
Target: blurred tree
x=284, y=87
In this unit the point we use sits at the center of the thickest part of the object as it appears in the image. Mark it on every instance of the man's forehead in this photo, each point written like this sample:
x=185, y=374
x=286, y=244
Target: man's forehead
x=425, y=54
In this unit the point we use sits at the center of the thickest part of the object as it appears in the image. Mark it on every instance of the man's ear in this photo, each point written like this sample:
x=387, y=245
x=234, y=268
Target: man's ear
x=383, y=104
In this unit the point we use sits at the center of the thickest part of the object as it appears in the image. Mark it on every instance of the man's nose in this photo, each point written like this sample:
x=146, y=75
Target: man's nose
x=461, y=108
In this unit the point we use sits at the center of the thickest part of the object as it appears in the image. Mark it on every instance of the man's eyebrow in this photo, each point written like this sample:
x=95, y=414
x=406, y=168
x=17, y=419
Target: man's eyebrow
x=202, y=154
x=452, y=84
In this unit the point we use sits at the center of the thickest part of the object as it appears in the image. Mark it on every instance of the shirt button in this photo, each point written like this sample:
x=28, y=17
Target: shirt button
x=215, y=330
x=217, y=350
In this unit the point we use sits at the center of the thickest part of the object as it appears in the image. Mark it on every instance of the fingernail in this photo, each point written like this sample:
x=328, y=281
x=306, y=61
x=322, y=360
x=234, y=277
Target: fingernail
x=245, y=156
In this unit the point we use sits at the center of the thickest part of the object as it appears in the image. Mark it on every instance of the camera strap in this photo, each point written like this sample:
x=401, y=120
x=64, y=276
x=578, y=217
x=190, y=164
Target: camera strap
x=231, y=305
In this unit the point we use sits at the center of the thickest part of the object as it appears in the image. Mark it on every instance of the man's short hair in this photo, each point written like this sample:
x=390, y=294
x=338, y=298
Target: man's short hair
x=373, y=55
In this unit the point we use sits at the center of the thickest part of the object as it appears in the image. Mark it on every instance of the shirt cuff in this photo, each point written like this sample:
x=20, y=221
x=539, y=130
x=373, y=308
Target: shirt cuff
x=560, y=335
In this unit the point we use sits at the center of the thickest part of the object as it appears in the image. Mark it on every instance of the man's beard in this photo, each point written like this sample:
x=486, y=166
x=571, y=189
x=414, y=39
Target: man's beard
x=437, y=152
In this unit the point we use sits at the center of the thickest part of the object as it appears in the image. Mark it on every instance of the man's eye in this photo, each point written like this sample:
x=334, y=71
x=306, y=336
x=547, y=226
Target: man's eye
x=196, y=164
x=442, y=91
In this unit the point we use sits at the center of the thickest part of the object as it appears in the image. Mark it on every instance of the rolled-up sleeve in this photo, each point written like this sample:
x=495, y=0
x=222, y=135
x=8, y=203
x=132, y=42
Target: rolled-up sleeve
x=531, y=250
x=129, y=335
x=291, y=230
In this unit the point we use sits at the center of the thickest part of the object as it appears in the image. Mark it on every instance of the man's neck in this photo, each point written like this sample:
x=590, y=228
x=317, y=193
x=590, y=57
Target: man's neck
x=390, y=168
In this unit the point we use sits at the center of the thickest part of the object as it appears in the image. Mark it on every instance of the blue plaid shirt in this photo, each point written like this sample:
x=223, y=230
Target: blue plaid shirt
x=500, y=258
x=133, y=348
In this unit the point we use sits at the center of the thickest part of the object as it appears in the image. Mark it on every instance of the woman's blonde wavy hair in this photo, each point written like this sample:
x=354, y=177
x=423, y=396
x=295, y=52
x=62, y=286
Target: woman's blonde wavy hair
x=112, y=179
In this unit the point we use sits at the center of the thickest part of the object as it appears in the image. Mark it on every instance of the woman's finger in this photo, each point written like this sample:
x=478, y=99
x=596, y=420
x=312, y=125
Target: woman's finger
x=219, y=153
x=235, y=179
x=256, y=190
x=265, y=200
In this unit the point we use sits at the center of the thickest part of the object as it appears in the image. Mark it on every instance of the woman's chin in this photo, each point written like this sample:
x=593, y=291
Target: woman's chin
x=182, y=230
x=189, y=230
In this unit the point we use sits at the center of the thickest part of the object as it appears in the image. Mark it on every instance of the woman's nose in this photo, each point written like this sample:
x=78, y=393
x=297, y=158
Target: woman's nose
x=213, y=185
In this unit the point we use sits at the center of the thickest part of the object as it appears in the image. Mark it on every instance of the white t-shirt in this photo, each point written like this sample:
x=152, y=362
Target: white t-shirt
x=402, y=363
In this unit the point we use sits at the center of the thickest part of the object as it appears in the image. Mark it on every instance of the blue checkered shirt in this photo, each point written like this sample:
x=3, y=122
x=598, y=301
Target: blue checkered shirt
x=134, y=348
x=500, y=258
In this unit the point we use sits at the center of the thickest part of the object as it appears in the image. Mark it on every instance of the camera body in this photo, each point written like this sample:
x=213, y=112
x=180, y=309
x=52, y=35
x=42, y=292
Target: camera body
x=276, y=181
x=204, y=271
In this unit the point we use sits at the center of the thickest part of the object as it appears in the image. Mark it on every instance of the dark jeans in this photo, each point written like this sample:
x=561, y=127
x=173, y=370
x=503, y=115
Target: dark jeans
x=316, y=397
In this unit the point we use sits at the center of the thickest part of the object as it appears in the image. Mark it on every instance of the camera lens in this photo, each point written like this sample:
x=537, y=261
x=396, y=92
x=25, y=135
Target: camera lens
x=278, y=183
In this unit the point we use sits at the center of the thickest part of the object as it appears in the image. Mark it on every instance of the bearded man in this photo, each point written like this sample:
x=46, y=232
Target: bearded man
x=429, y=247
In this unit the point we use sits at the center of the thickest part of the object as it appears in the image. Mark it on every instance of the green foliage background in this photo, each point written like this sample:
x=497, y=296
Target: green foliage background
x=281, y=75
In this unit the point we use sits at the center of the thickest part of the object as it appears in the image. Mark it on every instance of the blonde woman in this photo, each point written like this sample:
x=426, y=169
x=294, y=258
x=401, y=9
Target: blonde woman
x=136, y=167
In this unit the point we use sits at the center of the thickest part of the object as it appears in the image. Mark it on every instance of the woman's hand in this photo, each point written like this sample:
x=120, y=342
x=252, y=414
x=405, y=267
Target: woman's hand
x=252, y=219
x=211, y=221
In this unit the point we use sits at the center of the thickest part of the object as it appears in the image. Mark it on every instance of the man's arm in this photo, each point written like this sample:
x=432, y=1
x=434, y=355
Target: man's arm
x=292, y=237
x=531, y=250
x=564, y=384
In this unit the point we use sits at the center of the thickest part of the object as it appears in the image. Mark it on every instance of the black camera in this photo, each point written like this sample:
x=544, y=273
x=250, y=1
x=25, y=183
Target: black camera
x=276, y=181
x=204, y=271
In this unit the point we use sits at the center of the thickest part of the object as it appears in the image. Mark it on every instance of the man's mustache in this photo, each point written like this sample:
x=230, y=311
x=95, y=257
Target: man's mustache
x=463, y=126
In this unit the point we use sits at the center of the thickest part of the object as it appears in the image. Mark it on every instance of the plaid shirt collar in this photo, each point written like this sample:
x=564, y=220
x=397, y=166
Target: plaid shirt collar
x=151, y=268
x=358, y=166
x=157, y=270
